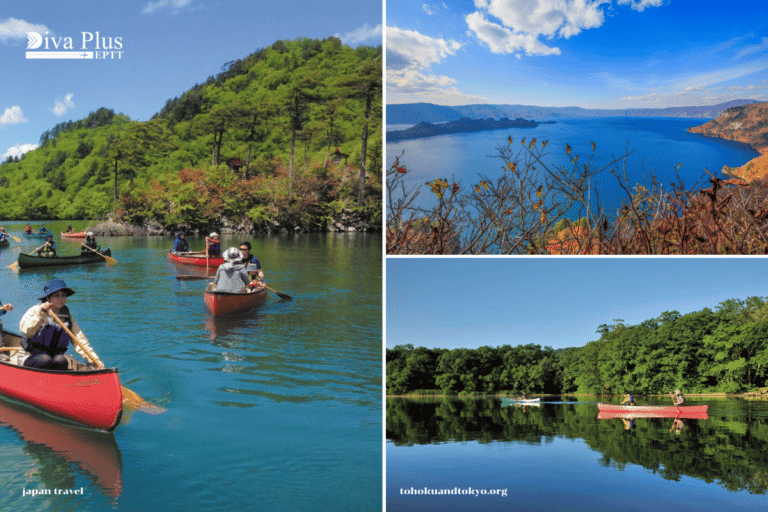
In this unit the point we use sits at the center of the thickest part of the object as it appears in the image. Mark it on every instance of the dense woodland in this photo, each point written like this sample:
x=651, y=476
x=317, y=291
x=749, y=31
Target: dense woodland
x=720, y=350
x=290, y=136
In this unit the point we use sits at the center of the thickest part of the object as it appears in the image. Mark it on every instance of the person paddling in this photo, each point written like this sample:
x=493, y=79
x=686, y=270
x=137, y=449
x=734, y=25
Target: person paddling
x=48, y=250
x=180, y=244
x=628, y=400
x=44, y=339
x=678, y=398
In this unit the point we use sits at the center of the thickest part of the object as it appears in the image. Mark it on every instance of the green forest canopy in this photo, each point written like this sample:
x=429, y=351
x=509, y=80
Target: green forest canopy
x=287, y=135
x=725, y=350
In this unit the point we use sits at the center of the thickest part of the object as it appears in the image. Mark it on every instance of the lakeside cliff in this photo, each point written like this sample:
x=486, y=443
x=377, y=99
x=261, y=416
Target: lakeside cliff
x=747, y=124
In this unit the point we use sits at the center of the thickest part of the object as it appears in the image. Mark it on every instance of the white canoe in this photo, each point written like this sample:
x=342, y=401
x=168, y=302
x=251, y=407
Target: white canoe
x=519, y=401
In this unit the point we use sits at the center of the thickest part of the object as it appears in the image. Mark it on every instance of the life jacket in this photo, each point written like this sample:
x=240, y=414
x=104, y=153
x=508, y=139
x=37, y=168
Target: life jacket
x=48, y=250
x=51, y=338
x=214, y=248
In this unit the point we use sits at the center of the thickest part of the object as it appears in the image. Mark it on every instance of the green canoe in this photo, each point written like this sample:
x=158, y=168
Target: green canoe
x=27, y=261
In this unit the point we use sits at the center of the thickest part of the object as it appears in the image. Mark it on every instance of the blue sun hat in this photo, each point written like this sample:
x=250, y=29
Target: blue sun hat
x=53, y=286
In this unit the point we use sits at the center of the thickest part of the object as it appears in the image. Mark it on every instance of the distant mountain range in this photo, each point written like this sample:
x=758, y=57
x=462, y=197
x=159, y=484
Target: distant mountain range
x=461, y=126
x=414, y=113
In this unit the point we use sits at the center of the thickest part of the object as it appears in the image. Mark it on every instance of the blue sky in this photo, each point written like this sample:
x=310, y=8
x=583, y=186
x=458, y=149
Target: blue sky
x=559, y=302
x=586, y=53
x=168, y=46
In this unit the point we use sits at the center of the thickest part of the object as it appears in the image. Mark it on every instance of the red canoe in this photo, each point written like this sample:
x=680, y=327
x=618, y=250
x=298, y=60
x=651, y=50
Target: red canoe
x=604, y=415
x=194, y=258
x=227, y=303
x=691, y=409
x=90, y=397
x=74, y=234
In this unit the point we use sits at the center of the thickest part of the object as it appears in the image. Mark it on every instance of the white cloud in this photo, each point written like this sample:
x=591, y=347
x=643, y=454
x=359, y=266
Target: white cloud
x=361, y=35
x=641, y=5
x=521, y=23
x=17, y=29
x=175, y=5
x=18, y=150
x=754, y=48
x=12, y=115
x=414, y=50
x=503, y=40
x=62, y=107
x=409, y=85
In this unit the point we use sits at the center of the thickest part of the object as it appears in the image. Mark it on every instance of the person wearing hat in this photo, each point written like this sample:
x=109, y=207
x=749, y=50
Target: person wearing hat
x=48, y=249
x=44, y=339
x=90, y=241
x=231, y=275
x=180, y=243
x=70, y=229
x=213, y=247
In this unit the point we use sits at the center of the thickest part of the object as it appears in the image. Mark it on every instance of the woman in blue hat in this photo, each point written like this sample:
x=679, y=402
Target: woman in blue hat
x=44, y=338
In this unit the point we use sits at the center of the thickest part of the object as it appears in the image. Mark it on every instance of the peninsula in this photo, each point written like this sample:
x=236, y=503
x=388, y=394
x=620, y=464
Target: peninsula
x=748, y=124
x=464, y=125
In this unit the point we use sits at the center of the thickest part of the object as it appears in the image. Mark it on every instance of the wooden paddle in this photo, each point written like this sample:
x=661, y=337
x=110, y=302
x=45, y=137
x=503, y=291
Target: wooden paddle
x=279, y=294
x=15, y=238
x=15, y=264
x=110, y=261
x=193, y=278
x=129, y=397
x=674, y=402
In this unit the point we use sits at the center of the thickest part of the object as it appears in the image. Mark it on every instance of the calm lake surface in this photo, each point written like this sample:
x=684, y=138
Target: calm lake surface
x=560, y=456
x=659, y=144
x=275, y=409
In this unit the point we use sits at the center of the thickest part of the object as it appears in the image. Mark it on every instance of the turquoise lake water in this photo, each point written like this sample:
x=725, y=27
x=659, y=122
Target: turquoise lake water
x=275, y=409
x=659, y=144
x=483, y=454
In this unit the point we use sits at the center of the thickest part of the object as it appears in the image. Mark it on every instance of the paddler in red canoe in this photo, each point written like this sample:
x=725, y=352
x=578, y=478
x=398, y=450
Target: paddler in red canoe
x=44, y=338
x=678, y=397
x=213, y=246
x=628, y=400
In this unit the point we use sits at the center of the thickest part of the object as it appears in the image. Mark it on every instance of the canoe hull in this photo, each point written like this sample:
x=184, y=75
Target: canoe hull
x=197, y=260
x=27, y=261
x=74, y=234
x=38, y=235
x=92, y=397
x=652, y=408
x=526, y=402
x=226, y=303
x=605, y=415
x=4, y=243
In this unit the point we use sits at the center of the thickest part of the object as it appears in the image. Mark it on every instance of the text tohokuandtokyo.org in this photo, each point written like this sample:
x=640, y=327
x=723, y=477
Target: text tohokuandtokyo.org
x=456, y=491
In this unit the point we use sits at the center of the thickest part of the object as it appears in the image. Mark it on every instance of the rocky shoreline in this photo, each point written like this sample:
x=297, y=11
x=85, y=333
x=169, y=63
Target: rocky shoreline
x=347, y=222
x=747, y=124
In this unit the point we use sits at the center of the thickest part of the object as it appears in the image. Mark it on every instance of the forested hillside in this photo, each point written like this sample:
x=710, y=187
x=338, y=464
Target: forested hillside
x=288, y=137
x=725, y=350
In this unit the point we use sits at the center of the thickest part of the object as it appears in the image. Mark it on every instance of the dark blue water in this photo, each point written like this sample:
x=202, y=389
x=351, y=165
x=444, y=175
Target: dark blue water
x=275, y=409
x=658, y=145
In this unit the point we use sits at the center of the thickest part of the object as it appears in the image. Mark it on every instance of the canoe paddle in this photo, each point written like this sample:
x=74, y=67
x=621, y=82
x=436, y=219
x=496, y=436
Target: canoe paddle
x=111, y=261
x=193, y=278
x=15, y=238
x=129, y=397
